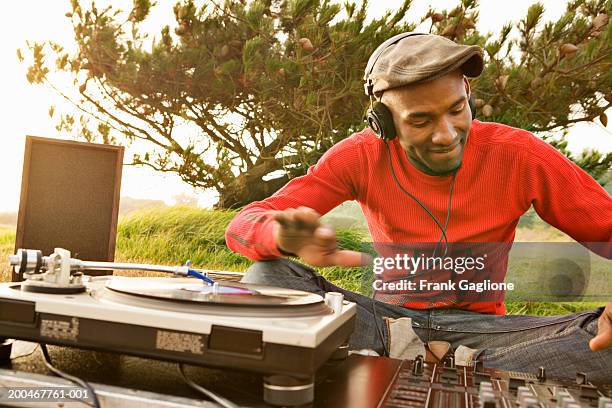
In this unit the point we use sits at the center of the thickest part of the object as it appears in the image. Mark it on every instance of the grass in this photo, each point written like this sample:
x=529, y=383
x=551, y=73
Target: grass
x=7, y=246
x=549, y=308
x=172, y=235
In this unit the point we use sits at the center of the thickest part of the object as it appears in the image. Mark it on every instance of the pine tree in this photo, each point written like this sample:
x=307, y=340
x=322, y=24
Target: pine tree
x=242, y=96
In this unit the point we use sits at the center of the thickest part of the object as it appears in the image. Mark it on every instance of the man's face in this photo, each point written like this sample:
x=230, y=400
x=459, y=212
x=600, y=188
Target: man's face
x=432, y=121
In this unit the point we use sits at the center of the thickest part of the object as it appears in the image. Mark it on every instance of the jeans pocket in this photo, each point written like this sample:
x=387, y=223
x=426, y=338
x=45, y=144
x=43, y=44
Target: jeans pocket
x=402, y=341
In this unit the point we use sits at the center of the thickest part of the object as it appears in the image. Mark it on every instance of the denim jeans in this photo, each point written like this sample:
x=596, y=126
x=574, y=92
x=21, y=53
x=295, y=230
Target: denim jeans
x=512, y=342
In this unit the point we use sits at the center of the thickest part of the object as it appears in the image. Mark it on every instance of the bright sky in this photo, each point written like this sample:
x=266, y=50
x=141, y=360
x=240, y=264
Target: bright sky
x=24, y=108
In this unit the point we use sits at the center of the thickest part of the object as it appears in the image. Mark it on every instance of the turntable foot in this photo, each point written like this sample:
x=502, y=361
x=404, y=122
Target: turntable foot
x=6, y=346
x=283, y=390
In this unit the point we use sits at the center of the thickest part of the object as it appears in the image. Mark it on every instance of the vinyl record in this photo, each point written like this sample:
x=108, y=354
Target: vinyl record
x=224, y=294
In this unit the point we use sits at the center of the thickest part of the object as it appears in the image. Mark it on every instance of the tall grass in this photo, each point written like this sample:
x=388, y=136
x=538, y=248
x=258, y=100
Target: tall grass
x=7, y=246
x=172, y=235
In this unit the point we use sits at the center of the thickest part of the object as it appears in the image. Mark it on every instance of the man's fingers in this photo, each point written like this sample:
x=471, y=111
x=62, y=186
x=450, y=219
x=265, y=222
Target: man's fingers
x=350, y=258
x=307, y=217
x=302, y=218
x=603, y=339
x=324, y=239
x=280, y=217
x=325, y=233
x=302, y=233
x=308, y=214
x=285, y=217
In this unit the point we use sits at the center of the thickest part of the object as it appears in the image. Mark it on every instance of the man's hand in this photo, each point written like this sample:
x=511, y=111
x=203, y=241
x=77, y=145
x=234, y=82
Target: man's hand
x=299, y=231
x=604, y=330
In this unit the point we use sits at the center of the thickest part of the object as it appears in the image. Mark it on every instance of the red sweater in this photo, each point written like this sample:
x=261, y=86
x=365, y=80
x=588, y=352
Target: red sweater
x=504, y=172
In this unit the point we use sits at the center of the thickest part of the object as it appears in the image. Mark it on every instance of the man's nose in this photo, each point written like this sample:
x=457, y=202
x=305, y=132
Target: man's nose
x=444, y=133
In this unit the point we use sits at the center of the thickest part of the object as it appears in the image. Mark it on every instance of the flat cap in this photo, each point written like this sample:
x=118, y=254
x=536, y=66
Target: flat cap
x=411, y=58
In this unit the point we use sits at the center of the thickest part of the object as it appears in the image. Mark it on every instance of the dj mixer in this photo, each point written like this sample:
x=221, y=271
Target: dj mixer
x=419, y=384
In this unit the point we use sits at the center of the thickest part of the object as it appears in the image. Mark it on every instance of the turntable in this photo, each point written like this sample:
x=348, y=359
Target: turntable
x=282, y=333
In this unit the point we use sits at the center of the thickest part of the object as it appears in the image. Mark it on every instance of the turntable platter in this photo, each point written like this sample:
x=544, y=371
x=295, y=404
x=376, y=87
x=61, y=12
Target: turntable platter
x=225, y=294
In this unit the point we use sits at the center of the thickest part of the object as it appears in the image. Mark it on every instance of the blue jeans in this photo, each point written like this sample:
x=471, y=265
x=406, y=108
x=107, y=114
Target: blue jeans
x=512, y=342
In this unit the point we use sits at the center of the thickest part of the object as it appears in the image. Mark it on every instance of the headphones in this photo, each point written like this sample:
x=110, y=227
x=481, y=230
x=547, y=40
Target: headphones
x=379, y=116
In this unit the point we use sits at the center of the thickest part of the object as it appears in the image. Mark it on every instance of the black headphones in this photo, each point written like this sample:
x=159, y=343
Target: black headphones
x=379, y=116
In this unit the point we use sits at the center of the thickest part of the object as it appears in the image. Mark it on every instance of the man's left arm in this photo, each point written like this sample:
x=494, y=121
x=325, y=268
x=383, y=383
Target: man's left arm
x=569, y=199
x=566, y=197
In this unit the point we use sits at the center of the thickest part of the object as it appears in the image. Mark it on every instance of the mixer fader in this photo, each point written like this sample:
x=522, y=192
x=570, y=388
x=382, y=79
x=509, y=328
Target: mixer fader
x=420, y=384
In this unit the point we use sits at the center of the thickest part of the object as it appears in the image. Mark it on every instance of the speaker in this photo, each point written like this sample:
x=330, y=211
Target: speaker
x=69, y=198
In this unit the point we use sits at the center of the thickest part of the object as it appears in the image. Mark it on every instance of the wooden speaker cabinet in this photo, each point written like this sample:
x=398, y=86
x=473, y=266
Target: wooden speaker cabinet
x=69, y=198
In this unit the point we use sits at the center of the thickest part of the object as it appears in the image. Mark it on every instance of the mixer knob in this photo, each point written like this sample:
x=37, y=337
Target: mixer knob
x=565, y=401
x=515, y=383
x=417, y=366
x=541, y=376
x=487, y=399
x=486, y=385
x=588, y=392
x=523, y=392
x=530, y=403
x=449, y=361
x=480, y=377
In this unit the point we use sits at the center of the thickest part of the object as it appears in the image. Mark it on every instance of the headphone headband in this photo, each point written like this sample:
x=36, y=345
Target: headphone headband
x=369, y=85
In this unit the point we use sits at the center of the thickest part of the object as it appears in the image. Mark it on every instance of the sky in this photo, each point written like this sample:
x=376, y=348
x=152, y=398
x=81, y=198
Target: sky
x=24, y=107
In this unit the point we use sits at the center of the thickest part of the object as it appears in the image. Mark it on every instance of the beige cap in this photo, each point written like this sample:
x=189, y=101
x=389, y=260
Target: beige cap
x=417, y=58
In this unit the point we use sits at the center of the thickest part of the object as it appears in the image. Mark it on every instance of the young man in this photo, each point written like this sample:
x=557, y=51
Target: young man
x=424, y=171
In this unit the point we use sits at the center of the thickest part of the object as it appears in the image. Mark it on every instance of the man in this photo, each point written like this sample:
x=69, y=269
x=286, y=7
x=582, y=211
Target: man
x=435, y=175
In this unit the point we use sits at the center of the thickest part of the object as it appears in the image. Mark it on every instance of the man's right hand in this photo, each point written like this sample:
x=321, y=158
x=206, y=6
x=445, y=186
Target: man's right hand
x=299, y=231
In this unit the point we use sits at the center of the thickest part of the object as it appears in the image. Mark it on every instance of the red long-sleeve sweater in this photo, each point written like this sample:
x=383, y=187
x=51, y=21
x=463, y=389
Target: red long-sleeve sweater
x=504, y=172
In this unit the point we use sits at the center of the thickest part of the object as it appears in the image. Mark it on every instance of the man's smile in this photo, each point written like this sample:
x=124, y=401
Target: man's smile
x=447, y=149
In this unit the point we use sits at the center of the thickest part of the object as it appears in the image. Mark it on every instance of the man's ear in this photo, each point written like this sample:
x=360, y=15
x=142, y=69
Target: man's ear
x=471, y=100
x=466, y=84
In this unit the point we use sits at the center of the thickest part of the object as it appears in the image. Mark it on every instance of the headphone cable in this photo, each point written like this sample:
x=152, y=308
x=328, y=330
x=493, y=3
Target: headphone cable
x=442, y=236
x=448, y=213
x=442, y=229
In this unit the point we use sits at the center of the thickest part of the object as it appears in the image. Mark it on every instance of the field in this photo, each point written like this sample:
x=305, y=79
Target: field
x=172, y=235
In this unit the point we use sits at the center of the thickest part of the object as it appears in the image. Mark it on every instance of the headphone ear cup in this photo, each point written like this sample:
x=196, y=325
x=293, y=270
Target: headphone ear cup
x=380, y=120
